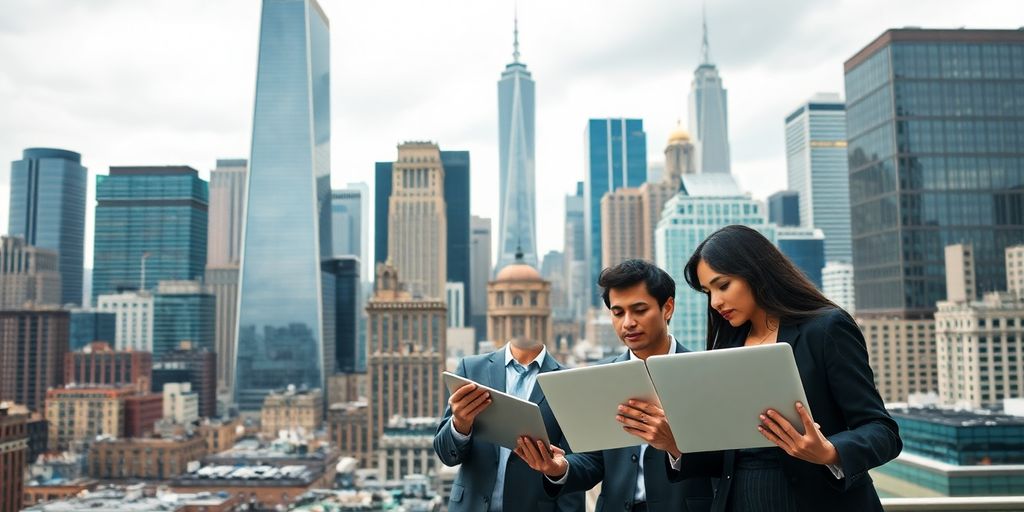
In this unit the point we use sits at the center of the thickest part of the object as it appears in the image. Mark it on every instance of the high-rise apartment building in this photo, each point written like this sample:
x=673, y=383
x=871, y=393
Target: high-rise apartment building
x=133, y=319
x=406, y=354
x=480, y=273
x=934, y=159
x=223, y=255
x=517, y=224
x=287, y=230
x=32, y=348
x=817, y=170
x=616, y=157
x=417, y=221
x=128, y=253
x=47, y=209
x=28, y=275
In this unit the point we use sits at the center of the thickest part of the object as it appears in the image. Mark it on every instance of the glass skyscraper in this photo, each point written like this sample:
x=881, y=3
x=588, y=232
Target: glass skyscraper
x=288, y=217
x=151, y=226
x=704, y=204
x=616, y=157
x=817, y=170
x=517, y=226
x=47, y=208
x=709, y=115
x=183, y=311
x=805, y=247
x=934, y=121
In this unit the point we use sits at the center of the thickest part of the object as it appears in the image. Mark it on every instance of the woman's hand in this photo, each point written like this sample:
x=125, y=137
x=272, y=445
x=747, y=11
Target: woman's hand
x=811, y=446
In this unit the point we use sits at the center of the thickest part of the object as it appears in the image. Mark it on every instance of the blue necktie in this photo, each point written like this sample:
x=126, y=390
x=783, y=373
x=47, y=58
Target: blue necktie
x=519, y=388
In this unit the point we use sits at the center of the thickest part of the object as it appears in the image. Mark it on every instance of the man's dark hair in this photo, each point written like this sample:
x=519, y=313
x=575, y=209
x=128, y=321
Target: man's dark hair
x=630, y=272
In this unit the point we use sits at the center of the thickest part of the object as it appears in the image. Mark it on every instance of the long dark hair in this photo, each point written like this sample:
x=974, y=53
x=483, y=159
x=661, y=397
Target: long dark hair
x=779, y=288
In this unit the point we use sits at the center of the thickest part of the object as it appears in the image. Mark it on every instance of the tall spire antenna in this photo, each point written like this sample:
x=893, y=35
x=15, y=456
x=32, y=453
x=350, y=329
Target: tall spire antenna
x=704, y=58
x=515, y=34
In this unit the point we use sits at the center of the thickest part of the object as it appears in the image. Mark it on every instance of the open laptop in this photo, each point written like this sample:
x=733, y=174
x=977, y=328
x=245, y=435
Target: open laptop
x=713, y=399
x=585, y=402
x=507, y=418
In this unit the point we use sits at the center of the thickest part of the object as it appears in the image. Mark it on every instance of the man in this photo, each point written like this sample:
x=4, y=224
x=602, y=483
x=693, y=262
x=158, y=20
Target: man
x=490, y=479
x=641, y=299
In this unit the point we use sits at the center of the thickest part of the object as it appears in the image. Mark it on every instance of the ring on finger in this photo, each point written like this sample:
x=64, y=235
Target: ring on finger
x=643, y=418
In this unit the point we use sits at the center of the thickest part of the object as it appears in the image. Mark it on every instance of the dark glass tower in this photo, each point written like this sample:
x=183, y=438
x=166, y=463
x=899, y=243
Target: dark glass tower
x=288, y=217
x=616, y=157
x=151, y=226
x=47, y=208
x=935, y=121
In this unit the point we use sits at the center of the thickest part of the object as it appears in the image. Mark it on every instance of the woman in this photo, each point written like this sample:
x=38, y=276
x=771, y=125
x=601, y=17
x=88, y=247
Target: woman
x=757, y=296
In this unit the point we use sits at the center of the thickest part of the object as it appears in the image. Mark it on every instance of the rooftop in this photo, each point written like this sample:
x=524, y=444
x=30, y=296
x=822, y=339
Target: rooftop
x=711, y=185
x=955, y=418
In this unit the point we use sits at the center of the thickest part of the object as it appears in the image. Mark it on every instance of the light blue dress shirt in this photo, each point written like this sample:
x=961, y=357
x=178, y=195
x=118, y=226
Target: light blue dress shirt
x=523, y=390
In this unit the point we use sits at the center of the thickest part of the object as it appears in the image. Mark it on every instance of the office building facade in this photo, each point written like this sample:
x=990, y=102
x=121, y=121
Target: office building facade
x=615, y=157
x=128, y=254
x=47, y=209
x=287, y=230
x=934, y=159
x=817, y=170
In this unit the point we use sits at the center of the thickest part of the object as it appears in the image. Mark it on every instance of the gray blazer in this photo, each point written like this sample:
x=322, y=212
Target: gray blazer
x=474, y=484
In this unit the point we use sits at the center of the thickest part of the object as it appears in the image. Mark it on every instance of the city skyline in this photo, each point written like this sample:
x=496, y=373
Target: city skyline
x=641, y=68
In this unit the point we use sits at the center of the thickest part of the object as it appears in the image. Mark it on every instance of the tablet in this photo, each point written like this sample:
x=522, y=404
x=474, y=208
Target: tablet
x=713, y=399
x=506, y=419
x=586, y=400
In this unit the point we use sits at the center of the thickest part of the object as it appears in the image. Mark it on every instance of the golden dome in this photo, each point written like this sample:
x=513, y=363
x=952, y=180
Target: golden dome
x=678, y=135
x=518, y=272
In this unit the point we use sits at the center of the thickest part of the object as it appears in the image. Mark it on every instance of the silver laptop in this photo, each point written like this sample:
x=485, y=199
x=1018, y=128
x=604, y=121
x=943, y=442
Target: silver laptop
x=585, y=402
x=506, y=419
x=713, y=399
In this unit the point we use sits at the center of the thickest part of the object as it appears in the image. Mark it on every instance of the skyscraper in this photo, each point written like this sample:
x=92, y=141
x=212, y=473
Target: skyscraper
x=288, y=225
x=480, y=273
x=350, y=228
x=704, y=204
x=47, y=209
x=817, y=169
x=223, y=254
x=182, y=311
x=417, y=221
x=805, y=247
x=32, y=348
x=343, y=272
x=406, y=355
x=575, y=250
x=933, y=122
x=784, y=208
x=709, y=114
x=28, y=275
x=457, y=219
x=151, y=226
x=616, y=157
x=517, y=229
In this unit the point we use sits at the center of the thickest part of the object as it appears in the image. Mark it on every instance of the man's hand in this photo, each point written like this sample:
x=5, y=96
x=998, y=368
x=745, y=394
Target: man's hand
x=647, y=421
x=550, y=461
x=467, y=402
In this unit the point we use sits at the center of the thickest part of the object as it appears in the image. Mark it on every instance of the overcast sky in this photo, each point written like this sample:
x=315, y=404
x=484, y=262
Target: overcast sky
x=162, y=82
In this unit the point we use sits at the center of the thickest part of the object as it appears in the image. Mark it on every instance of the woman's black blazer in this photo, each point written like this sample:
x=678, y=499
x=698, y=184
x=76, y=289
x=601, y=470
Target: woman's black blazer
x=832, y=359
